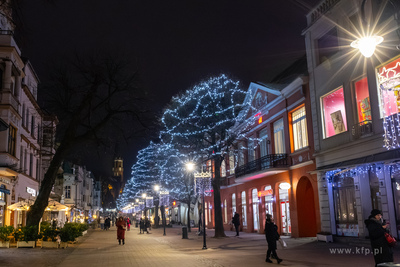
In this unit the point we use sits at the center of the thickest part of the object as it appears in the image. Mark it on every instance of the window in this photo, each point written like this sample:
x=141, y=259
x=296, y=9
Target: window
x=223, y=169
x=241, y=154
x=328, y=45
x=225, y=212
x=279, y=137
x=37, y=169
x=68, y=191
x=362, y=98
x=12, y=137
x=334, y=113
x=251, y=153
x=21, y=158
x=33, y=126
x=263, y=135
x=231, y=163
x=233, y=204
x=345, y=206
x=299, y=126
x=23, y=115
x=30, y=164
x=254, y=198
x=27, y=117
x=269, y=201
x=244, y=211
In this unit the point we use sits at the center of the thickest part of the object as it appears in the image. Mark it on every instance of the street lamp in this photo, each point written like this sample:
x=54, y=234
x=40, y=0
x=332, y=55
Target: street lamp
x=157, y=204
x=190, y=167
x=367, y=44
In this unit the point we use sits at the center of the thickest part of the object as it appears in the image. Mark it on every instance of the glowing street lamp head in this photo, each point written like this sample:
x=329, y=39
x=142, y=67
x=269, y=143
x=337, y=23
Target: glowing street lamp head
x=190, y=166
x=157, y=187
x=144, y=195
x=367, y=45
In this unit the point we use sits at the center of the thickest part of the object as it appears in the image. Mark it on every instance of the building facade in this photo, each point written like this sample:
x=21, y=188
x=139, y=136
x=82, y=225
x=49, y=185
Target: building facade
x=272, y=171
x=355, y=108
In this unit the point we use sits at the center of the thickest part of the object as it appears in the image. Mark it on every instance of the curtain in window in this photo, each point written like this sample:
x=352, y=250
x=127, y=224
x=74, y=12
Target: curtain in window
x=279, y=137
x=299, y=122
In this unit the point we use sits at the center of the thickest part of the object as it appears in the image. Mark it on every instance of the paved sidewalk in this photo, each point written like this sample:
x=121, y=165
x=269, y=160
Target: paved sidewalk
x=100, y=248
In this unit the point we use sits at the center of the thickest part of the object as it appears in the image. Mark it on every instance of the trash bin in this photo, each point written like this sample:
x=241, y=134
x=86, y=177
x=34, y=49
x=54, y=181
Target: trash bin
x=388, y=264
x=184, y=232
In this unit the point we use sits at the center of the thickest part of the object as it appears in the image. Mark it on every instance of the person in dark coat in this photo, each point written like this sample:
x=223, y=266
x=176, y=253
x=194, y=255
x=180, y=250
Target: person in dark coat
x=236, y=222
x=377, y=229
x=121, y=227
x=271, y=234
x=107, y=223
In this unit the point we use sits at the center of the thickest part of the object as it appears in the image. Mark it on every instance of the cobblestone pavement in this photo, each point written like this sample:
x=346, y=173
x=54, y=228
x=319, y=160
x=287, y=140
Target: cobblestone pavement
x=100, y=248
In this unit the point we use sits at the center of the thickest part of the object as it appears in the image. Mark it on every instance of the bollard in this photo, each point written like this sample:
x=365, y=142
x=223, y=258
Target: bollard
x=184, y=232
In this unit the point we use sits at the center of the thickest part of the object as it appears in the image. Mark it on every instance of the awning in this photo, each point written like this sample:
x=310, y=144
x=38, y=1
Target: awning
x=384, y=156
x=4, y=171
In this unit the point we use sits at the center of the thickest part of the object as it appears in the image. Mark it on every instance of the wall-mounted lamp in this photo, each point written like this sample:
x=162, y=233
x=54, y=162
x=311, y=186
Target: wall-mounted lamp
x=284, y=186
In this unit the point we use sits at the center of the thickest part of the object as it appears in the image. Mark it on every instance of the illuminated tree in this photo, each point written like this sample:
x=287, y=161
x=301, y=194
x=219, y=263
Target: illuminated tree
x=203, y=121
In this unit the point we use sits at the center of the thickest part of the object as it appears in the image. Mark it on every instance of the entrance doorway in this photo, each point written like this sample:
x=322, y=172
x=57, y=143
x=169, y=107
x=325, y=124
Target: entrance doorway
x=306, y=208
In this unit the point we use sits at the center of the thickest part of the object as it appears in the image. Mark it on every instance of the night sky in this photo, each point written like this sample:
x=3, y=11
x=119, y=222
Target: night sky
x=175, y=43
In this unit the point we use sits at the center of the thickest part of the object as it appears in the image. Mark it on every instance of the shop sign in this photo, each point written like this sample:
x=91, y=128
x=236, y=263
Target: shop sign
x=31, y=191
x=268, y=192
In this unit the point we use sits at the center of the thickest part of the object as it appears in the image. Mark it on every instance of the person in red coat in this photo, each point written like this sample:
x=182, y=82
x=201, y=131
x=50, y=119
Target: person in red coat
x=121, y=227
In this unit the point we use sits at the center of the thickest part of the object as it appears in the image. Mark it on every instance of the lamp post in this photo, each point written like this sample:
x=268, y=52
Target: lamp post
x=144, y=198
x=190, y=167
x=157, y=204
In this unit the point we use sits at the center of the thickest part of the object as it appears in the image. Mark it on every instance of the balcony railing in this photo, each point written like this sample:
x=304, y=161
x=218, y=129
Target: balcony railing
x=361, y=129
x=263, y=163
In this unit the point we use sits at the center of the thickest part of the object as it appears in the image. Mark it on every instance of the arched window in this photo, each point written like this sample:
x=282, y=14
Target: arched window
x=244, y=210
x=225, y=212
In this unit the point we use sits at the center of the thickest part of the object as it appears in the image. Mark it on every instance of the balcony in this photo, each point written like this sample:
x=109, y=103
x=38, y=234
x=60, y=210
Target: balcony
x=361, y=129
x=7, y=39
x=266, y=162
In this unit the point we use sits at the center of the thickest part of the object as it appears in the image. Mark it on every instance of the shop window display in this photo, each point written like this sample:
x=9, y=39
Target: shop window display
x=363, y=102
x=334, y=113
x=389, y=87
x=345, y=206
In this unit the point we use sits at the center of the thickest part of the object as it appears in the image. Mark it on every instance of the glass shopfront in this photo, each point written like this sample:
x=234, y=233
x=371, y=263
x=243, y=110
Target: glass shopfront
x=345, y=206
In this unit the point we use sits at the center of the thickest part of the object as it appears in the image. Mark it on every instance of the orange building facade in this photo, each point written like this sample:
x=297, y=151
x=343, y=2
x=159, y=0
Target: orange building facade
x=273, y=171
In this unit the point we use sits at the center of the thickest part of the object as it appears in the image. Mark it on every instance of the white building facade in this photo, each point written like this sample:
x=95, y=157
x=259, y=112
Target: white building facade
x=354, y=105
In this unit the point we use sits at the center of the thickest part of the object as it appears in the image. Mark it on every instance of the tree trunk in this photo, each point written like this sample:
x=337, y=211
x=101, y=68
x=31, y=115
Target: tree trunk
x=36, y=211
x=188, y=216
x=219, y=225
x=156, y=219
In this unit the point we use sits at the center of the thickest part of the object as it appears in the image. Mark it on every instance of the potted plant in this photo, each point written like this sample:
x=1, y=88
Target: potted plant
x=69, y=233
x=5, y=234
x=26, y=236
x=325, y=236
x=50, y=237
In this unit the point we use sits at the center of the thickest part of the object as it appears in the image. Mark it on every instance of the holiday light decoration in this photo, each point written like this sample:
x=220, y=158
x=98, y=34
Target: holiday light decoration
x=389, y=80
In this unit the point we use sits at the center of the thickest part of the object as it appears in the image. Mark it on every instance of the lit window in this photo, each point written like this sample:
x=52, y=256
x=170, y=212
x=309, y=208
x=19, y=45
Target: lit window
x=244, y=210
x=362, y=97
x=334, y=113
x=299, y=125
x=231, y=162
x=279, y=137
x=233, y=204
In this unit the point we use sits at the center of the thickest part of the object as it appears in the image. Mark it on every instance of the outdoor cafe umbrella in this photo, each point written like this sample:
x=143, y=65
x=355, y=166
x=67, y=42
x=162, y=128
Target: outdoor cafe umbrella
x=25, y=204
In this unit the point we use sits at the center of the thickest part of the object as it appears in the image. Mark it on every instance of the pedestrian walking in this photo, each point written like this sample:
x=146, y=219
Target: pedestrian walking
x=128, y=223
x=236, y=222
x=271, y=234
x=377, y=228
x=141, y=225
x=102, y=223
x=107, y=223
x=121, y=227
